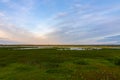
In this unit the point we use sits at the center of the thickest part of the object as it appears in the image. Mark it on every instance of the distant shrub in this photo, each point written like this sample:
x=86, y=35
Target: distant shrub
x=81, y=62
x=3, y=64
x=115, y=60
x=52, y=65
x=60, y=71
x=21, y=67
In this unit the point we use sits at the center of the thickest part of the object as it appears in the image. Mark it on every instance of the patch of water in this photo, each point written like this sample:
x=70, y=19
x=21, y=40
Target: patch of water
x=29, y=48
x=77, y=48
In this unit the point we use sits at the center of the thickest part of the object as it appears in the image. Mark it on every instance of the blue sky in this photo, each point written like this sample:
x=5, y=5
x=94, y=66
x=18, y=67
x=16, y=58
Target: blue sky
x=59, y=21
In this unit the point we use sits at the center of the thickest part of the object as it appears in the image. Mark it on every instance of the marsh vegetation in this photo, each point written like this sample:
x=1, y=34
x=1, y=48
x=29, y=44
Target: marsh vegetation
x=59, y=63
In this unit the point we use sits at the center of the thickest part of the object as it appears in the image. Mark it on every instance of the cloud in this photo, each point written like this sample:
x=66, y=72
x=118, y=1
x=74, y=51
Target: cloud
x=7, y=41
x=114, y=38
x=14, y=34
x=12, y=28
x=2, y=14
x=87, y=26
x=11, y=33
x=60, y=15
x=81, y=24
x=18, y=12
x=5, y=1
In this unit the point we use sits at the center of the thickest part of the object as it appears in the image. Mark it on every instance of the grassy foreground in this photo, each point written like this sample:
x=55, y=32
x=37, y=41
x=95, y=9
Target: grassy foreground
x=52, y=64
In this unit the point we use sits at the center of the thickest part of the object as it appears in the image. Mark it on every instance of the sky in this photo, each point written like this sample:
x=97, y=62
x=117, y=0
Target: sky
x=60, y=22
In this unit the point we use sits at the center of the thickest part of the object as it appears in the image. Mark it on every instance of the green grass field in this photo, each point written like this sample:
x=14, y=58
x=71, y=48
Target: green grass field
x=53, y=64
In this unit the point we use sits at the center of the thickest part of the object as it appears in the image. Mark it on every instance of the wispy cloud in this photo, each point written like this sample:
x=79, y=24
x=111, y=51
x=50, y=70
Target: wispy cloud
x=79, y=23
x=86, y=26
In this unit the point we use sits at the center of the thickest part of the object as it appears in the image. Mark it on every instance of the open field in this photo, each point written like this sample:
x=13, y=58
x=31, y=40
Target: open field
x=60, y=63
